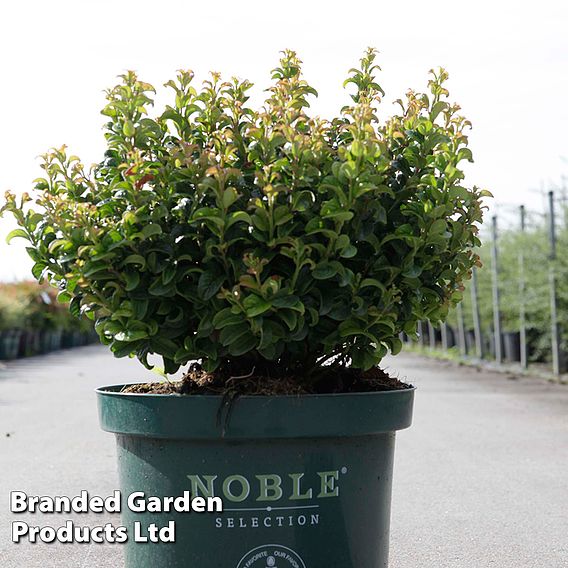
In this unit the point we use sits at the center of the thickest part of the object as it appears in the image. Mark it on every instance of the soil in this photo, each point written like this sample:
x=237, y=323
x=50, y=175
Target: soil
x=333, y=381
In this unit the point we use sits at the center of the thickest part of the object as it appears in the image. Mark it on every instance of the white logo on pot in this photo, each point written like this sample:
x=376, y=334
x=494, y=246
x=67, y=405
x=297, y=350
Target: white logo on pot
x=267, y=487
x=271, y=556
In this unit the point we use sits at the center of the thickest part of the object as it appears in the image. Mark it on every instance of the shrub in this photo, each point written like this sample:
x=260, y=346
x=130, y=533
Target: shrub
x=264, y=238
x=27, y=305
x=11, y=308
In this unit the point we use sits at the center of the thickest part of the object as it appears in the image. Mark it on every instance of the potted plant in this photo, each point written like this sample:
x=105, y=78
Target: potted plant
x=279, y=256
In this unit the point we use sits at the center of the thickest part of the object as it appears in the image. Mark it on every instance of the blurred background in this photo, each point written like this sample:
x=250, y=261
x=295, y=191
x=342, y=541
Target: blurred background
x=508, y=70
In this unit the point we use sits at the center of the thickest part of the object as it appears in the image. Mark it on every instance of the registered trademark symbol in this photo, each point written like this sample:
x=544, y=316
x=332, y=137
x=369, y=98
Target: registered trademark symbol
x=343, y=470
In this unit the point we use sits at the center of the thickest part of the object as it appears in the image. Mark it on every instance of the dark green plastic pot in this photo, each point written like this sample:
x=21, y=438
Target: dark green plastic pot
x=305, y=481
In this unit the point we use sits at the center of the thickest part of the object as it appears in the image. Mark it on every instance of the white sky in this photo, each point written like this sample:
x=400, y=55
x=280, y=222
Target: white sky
x=508, y=65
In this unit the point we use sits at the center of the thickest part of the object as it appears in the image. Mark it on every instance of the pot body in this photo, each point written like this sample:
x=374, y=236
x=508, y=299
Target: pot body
x=305, y=481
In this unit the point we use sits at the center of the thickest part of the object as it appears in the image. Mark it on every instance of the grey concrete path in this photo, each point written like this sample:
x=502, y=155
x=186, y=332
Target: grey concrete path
x=481, y=478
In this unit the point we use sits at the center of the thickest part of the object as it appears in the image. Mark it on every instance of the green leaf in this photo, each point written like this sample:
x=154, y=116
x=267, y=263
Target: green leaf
x=413, y=272
x=363, y=358
x=163, y=346
x=64, y=297
x=289, y=317
x=135, y=259
x=239, y=217
x=357, y=149
x=157, y=288
x=245, y=343
x=97, y=271
x=38, y=270
x=75, y=306
x=226, y=317
x=231, y=333
x=324, y=271
x=334, y=210
x=140, y=308
x=132, y=280
x=349, y=252
x=260, y=221
x=465, y=154
x=230, y=195
x=437, y=108
x=15, y=234
x=438, y=226
x=282, y=215
x=151, y=230
x=291, y=302
x=349, y=329
x=170, y=365
x=130, y=336
x=255, y=305
x=169, y=274
x=395, y=345
x=123, y=349
x=209, y=284
x=128, y=128
x=59, y=243
x=209, y=214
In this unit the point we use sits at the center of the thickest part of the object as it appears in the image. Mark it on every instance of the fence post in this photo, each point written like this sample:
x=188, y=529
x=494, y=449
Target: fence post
x=522, y=291
x=495, y=281
x=420, y=329
x=476, y=316
x=461, y=331
x=431, y=335
x=444, y=330
x=557, y=363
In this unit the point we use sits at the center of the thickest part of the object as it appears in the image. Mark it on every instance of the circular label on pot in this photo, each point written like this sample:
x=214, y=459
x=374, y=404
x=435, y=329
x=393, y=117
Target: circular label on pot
x=271, y=556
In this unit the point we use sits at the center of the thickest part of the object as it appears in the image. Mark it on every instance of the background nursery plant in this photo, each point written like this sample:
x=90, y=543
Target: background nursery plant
x=262, y=240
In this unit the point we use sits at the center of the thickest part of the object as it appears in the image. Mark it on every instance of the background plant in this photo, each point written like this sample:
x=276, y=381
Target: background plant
x=534, y=243
x=263, y=238
x=30, y=306
x=11, y=308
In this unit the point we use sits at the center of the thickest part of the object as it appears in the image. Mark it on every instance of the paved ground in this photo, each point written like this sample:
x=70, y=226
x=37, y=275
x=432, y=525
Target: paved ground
x=481, y=478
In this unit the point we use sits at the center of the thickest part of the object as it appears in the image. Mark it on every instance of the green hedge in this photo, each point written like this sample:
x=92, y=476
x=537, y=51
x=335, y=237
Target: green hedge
x=33, y=321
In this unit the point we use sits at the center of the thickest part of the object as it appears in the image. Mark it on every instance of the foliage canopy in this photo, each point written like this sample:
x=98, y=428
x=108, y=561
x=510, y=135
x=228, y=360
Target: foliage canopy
x=260, y=238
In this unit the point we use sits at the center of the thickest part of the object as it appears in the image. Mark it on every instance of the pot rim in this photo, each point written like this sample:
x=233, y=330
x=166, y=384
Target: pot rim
x=113, y=390
x=206, y=417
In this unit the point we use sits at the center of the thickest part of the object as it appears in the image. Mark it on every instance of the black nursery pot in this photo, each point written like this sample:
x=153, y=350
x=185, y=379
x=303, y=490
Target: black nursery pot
x=305, y=480
x=512, y=345
x=9, y=343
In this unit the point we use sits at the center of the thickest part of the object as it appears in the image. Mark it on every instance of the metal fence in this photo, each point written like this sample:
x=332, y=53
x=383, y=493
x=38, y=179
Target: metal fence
x=515, y=308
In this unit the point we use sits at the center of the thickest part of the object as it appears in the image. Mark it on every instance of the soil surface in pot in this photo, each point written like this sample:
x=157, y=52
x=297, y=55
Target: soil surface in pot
x=329, y=381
